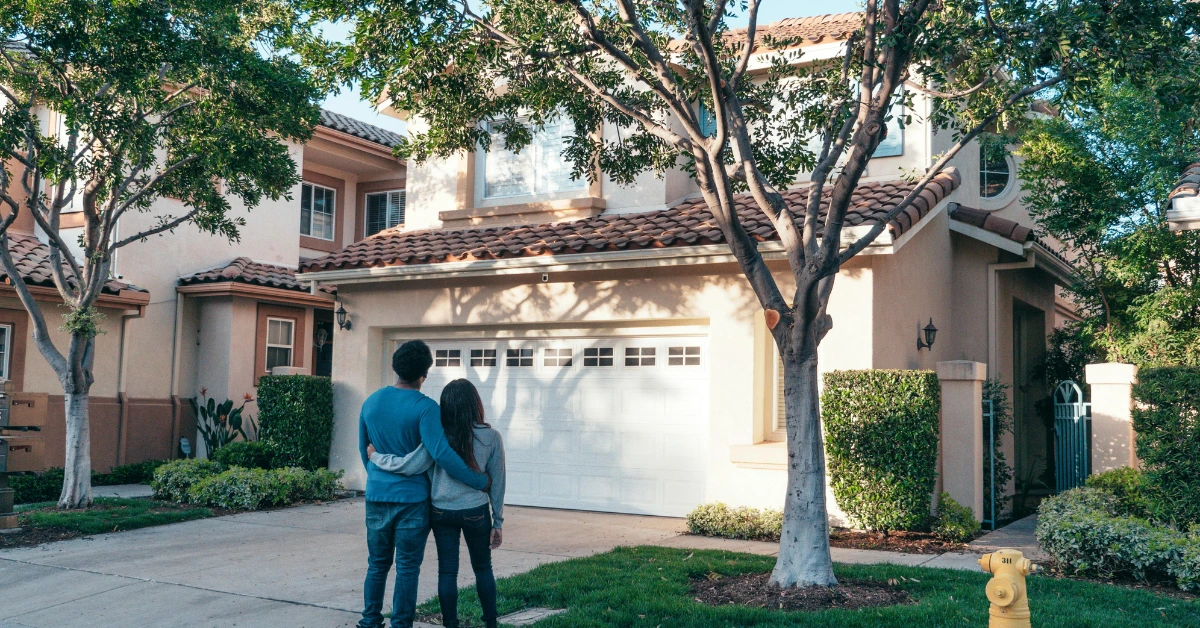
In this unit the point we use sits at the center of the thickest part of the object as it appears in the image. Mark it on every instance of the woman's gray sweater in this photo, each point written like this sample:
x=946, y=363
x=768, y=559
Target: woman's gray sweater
x=448, y=493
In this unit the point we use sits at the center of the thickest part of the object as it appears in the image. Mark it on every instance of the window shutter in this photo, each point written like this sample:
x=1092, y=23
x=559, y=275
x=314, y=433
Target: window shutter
x=396, y=208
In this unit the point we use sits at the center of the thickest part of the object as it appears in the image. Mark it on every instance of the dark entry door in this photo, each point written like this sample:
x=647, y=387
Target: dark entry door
x=323, y=343
x=1033, y=426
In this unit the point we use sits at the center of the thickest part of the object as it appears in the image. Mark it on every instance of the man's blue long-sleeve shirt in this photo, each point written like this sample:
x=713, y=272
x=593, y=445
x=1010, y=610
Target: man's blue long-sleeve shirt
x=396, y=421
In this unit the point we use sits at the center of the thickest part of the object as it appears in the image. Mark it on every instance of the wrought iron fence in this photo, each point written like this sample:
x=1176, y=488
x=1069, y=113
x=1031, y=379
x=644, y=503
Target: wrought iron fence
x=1072, y=437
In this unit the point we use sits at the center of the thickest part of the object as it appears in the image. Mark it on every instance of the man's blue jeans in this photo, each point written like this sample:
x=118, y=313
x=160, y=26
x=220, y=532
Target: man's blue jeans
x=399, y=529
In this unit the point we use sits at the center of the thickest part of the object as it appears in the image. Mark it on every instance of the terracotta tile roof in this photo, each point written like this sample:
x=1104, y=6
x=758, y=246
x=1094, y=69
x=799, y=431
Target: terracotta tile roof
x=32, y=258
x=985, y=220
x=1188, y=183
x=687, y=224
x=246, y=270
x=359, y=129
x=812, y=30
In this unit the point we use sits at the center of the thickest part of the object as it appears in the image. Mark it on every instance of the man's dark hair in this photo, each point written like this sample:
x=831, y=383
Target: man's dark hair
x=412, y=361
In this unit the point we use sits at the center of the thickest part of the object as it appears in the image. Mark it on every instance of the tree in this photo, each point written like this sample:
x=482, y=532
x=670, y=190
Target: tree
x=646, y=66
x=110, y=106
x=1098, y=178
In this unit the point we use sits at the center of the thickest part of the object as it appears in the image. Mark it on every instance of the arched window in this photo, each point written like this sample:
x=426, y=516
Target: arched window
x=995, y=174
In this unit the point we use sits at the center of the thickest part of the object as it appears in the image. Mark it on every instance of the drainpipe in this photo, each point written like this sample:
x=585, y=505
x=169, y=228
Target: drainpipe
x=993, y=303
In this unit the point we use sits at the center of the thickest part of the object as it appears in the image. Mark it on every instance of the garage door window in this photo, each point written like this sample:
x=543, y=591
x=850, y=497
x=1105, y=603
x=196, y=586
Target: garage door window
x=639, y=356
x=598, y=356
x=447, y=357
x=483, y=357
x=557, y=357
x=683, y=356
x=518, y=357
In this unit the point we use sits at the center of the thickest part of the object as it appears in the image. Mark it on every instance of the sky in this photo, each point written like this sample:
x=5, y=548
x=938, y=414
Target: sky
x=349, y=101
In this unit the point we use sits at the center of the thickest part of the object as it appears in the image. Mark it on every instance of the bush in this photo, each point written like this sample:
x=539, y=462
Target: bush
x=881, y=430
x=1128, y=486
x=248, y=454
x=720, y=520
x=954, y=522
x=133, y=473
x=173, y=480
x=252, y=489
x=295, y=416
x=1168, y=441
x=43, y=487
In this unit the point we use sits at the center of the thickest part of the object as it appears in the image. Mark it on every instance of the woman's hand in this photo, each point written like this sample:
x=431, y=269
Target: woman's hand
x=497, y=537
x=370, y=450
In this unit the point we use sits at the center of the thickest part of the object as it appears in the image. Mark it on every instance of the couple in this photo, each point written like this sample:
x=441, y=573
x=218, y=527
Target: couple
x=428, y=467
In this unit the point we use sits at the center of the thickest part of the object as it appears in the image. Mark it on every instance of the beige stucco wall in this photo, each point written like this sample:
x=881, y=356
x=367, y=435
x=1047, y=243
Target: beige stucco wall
x=39, y=377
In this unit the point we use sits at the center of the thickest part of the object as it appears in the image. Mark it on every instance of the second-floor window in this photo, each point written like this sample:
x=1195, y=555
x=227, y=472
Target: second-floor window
x=539, y=169
x=316, y=211
x=384, y=210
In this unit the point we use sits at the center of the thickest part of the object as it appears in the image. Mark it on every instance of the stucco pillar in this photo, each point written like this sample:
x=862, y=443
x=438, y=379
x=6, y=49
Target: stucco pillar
x=962, y=431
x=1112, y=416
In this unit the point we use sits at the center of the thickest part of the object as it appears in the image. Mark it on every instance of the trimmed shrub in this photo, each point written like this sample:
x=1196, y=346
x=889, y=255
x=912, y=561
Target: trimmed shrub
x=133, y=473
x=1128, y=486
x=173, y=480
x=954, y=522
x=31, y=489
x=252, y=489
x=717, y=519
x=881, y=431
x=249, y=454
x=1186, y=568
x=295, y=416
x=1166, y=418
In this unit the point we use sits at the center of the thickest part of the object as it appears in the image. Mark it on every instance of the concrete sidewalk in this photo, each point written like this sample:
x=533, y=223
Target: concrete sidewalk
x=298, y=567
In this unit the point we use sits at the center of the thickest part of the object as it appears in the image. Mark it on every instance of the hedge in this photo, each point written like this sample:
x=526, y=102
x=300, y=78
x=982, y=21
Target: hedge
x=173, y=480
x=1165, y=417
x=295, y=417
x=719, y=520
x=954, y=522
x=881, y=431
x=47, y=485
x=252, y=454
x=251, y=489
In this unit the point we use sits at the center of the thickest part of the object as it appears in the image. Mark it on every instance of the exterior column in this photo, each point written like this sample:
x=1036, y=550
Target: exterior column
x=962, y=431
x=1112, y=416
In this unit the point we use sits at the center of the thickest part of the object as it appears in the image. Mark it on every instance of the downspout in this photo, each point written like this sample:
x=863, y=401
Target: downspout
x=122, y=378
x=993, y=303
x=176, y=407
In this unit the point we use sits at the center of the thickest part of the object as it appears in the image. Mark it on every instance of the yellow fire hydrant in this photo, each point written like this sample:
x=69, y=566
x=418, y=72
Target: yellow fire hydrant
x=1006, y=589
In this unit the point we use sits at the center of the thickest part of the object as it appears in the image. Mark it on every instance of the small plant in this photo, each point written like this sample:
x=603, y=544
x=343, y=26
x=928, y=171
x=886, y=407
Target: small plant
x=252, y=454
x=954, y=522
x=221, y=423
x=132, y=473
x=1002, y=422
x=252, y=489
x=173, y=480
x=742, y=522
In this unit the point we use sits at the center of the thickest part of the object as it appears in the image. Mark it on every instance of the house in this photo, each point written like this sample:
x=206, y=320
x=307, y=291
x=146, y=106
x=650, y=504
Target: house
x=189, y=313
x=615, y=343
x=1184, y=211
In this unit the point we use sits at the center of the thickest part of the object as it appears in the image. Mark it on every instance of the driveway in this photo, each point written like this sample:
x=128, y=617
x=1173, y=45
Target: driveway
x=298, y=567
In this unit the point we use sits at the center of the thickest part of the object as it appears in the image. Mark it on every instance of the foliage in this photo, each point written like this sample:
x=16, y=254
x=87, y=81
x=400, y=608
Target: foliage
x=1130, y=488
x=881, y=431
x=249, y=454
x=652, y=586
x=1098, y=178
x=112, y=515
x=220, y=423
x=296, y=417
x=132, y=473
x=252, y=489
x=1002, y=423
x=743, y=522
x=1068, y=350
x=1166, y=418
x=42, y=487
x=954, y=522
x=173, y=480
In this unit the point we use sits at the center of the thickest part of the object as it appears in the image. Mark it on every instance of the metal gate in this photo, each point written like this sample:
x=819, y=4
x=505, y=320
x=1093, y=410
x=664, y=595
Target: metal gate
x=1072, y=437
x=989, y=418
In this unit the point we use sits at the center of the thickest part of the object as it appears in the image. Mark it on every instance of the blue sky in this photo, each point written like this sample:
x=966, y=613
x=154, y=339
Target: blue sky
x=349, y=102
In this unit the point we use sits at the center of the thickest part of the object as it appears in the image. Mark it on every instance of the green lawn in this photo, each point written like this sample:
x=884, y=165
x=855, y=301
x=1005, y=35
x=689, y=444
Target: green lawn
x=109, y=514
x=649, y=587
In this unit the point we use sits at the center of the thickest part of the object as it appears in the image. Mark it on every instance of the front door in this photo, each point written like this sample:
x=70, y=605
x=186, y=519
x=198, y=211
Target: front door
x=323, y=342
x=1033, y=424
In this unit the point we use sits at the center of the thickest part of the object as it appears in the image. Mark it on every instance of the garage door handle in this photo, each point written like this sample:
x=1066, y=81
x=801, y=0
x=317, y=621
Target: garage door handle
x=25, y=448
x=27, y=402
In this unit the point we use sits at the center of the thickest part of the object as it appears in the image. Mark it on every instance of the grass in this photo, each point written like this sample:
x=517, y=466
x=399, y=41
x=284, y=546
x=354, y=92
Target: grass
x=648, y=587
x=109, y=514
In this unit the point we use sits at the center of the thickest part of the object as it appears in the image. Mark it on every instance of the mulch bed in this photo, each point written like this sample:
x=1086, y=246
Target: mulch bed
x=910, y=542
x=755, y=591
x=29, y=537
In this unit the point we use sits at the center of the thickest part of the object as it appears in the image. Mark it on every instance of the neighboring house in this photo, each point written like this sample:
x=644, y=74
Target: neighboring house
x=1184, y=213
x=209, y=315
x=617, y=346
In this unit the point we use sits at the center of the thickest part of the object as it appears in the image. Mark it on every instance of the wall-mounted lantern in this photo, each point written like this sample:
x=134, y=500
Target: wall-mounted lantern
x=930, y=333
x=343, y=318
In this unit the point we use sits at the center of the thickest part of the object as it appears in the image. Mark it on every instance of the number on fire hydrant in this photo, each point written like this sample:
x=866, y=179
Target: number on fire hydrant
x=1006, y=589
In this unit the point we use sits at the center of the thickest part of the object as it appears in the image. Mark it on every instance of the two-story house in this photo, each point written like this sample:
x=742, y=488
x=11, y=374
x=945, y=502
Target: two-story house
x=1184, y=212
x=618, y=348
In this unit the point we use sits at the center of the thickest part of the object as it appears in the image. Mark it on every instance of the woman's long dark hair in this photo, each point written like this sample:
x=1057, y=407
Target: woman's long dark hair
x=462, y=410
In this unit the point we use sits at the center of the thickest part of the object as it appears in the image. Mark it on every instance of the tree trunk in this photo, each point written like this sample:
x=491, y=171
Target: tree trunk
x=804, y=558
x=77, y=467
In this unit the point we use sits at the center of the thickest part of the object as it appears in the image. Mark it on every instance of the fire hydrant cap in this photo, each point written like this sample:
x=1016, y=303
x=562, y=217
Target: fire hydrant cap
x=1001, y=591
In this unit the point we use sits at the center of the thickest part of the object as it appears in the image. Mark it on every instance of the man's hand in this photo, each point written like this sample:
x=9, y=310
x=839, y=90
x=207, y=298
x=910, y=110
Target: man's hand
x=497, y=537
x=370, y=450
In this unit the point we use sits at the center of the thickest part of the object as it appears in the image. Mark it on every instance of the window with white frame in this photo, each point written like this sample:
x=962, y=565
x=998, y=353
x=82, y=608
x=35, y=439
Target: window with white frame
x=316, y=211
x=6, y=332
x=557, y=357
x=281, y=342
x=598, y=356
x=539, y=169
x=447, y=357
x=384, y=210
x=518, y=357
x=483, y=357
x=639, y=356
x=994, y=172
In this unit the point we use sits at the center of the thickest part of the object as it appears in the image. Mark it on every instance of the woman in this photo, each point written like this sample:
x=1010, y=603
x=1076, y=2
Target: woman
x=458, y=508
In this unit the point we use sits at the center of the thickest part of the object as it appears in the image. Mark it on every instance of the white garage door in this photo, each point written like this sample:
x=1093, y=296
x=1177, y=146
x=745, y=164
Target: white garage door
x=614, y=424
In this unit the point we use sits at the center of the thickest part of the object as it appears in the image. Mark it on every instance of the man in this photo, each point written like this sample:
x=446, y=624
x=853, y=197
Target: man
x=396, y=419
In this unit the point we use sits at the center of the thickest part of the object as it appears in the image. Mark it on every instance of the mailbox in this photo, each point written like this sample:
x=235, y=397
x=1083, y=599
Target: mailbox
x=21, y=453
x=25, y=409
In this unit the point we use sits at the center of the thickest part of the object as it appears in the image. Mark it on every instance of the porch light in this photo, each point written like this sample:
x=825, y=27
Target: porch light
x=343, y=317
x=930, y=333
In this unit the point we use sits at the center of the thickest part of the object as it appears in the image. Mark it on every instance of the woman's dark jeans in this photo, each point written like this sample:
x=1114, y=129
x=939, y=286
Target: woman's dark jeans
x=476, y=527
